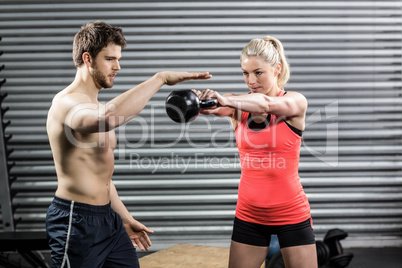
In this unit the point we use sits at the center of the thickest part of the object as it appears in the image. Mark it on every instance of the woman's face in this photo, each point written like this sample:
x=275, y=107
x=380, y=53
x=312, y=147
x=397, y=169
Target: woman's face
x=260, y=76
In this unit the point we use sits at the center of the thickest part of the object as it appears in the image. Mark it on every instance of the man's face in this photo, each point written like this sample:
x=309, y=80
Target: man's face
x=106, y=65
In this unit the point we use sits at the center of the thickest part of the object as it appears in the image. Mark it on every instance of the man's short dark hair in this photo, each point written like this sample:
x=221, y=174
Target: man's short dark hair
x=93, y=37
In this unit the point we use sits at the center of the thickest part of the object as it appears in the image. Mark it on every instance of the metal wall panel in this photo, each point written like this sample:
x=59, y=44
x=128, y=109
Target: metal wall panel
x=181, y=180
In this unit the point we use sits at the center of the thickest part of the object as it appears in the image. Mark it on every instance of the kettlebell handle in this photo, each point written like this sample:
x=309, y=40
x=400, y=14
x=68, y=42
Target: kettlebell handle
x=208, y=103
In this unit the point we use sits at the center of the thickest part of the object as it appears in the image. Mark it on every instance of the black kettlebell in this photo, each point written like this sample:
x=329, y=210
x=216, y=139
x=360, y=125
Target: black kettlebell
x=184, y=106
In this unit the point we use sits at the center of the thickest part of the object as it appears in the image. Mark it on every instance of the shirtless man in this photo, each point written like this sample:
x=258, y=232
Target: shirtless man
x=87, y=223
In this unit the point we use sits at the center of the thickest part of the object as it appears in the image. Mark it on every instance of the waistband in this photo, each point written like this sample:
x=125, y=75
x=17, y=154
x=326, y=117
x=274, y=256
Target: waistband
x=81, y=207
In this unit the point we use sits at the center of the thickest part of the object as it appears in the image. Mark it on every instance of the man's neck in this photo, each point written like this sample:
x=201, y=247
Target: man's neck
x=84, y=82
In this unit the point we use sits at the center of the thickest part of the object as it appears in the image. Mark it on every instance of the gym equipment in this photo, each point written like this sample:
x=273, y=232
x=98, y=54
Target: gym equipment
x=323, y=253
x=184, y=106
x=337, y=257
x=27, y=244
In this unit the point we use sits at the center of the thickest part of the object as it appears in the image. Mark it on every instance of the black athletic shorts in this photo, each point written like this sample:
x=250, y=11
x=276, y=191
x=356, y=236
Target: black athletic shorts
x=260, y=235
x=83, y=235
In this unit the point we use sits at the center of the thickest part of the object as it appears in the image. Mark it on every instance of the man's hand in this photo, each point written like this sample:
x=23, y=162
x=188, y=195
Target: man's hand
x=172, y=78
x=138, y=234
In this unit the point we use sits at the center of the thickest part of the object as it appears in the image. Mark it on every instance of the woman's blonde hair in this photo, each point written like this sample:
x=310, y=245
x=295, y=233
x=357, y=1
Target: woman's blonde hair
x=271, y=50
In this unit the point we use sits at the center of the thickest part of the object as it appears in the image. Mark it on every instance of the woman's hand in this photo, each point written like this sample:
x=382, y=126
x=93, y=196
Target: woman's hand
x=204, y=96
x=211, y=94
x=218, y=110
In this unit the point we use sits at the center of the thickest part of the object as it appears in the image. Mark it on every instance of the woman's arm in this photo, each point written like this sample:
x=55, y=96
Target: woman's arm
x=292, y=106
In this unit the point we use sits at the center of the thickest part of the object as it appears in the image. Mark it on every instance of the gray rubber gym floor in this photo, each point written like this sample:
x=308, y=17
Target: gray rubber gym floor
x=375, y=257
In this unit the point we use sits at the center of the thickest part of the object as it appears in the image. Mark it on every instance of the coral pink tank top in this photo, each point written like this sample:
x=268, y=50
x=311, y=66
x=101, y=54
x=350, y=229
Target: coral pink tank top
x=270, y=191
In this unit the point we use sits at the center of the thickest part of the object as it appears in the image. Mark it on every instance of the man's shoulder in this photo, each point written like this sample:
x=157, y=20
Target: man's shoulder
x=67, y=99
x=64, y=101
x=71, y=97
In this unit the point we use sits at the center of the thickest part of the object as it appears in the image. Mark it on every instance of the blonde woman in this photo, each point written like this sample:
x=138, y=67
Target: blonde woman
x=268, y=124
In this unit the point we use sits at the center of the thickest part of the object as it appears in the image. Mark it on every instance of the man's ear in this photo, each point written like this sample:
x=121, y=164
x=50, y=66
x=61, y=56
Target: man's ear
x=87, y=59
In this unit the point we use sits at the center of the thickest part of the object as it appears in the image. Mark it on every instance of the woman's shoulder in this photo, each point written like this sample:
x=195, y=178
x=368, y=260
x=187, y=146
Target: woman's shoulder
x=293, y=94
